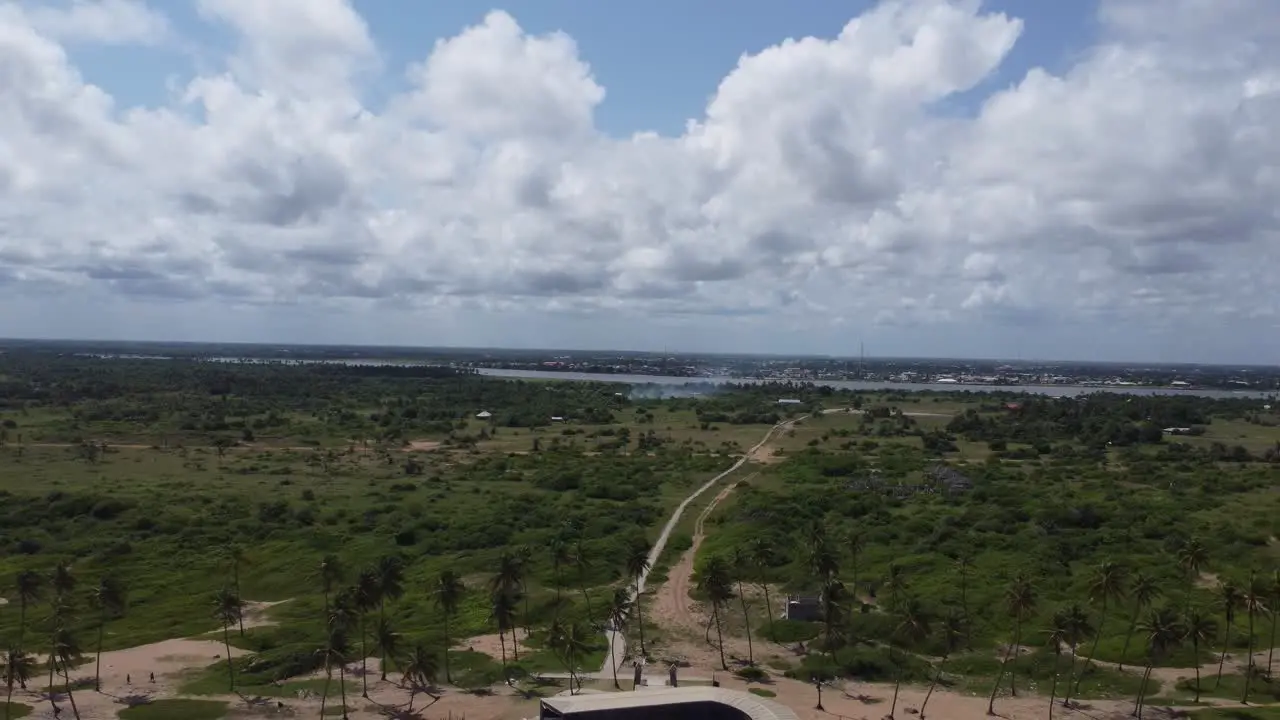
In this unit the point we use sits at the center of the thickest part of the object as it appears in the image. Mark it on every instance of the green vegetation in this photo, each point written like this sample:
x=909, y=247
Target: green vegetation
x=14, y=710
x=176, y=710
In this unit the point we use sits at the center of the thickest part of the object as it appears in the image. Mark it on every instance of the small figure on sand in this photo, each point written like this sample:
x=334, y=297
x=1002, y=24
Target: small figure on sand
x=128, y=679
x=153, y=677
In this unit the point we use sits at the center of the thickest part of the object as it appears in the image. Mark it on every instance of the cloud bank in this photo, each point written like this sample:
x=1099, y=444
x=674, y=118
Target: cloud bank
x=824, y=191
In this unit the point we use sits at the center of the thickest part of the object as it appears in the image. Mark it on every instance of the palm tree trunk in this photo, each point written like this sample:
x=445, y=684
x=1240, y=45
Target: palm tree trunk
x=715, y=615
x=587, y=597
x=897, y=681
x=447, y=677
x=1195, y=648
x=1054, y=689
x=1066, y=698
x=1272, y=646
x=613, y=658
x=936, y=677
x=328, y=679
x=991, y=702
x=527, y=629
x=22, y=620
x=71, y=696
x=235, y=570
x=1017, y=643
x=8, y=703
x=52, y=692
x=1248, y=666
x=1222, y=657
x=97, y=668
x=751, y=653
x=640, y=619
x=342, y=686
x=502, y=640
x=364, y=660
x=1093, y=651
x=382, y=621
x=769, y=605
x=1142, y=690
x=1133, y=623
x=515, y=645
x=231, y=668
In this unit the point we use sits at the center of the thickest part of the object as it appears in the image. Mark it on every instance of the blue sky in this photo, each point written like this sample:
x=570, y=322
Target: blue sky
x=660, y=61
x=1082, y=179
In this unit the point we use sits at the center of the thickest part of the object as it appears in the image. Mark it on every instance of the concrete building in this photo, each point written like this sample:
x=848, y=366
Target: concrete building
x=690, y=703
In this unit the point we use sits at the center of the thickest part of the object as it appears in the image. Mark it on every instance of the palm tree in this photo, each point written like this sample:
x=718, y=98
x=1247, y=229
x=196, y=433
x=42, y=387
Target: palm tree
x=449, y=592
x=1200, y=627
x=570, y=643
x=560, y=557
x=1192, y=558
x=834, y=601
x=330, y=576
x=1254, y=595
x=1059, y=633
x=913, y=626
x=525, y=555
x=1230, y=597
x=420, y=669
x=59, y=617
x=1107, y=585
x=1273, y=593
x=619, y=609
x=963, y=564
x=1020, y=600
x=582, y=564
x=227, y=609
x=342, y=616
x=503, y=610
x=1163, y=633
x=365, y=596
x=637, y=568
x=715, y=581
x=28, y=587
x=62, y=580
x=236, y=556
x=1078, y=628
x=1143, y=591
x=739, y=569
x=895, y=582
x=109, y=598
x=387, y=640
x=19, y=667
x=953, y=628
x=390, y=572
x=67, y=652
x=761, y=554
x=855, y=542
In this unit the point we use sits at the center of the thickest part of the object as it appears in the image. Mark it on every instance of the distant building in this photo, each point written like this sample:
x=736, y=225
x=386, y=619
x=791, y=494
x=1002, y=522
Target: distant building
x=557, y=418
x=807, y=608
x=484, y=414
x=1177, y=431
x=789, y=401
x=665, y=703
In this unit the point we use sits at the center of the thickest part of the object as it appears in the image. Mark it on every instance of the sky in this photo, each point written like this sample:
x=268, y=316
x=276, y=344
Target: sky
x=1092, y=180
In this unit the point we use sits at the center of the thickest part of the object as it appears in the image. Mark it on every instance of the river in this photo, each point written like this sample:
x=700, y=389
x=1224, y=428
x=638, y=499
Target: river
x=1052, y=390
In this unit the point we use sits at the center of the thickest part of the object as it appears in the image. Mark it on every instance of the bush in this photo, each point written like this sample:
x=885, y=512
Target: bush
x=790, y=631
x=751, y=673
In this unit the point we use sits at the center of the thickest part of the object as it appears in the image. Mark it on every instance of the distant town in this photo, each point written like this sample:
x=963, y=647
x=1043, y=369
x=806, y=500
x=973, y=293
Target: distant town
x=924, y=371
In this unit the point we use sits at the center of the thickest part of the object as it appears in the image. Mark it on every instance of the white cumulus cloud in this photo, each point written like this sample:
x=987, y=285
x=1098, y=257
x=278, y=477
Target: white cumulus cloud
x=822, y=185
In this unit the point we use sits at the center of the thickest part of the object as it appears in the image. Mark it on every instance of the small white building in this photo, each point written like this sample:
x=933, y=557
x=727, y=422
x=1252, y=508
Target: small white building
x=484, y=415
x=788, y=401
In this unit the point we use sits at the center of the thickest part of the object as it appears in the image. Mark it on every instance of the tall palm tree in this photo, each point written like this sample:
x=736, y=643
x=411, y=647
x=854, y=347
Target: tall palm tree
x=502, y=610
x=1058, y=634
x=330, y=573
x=448, y=591
x=1078, y=628
x=387, y=640
x=1163, y=633
x=619, y=609
x=855, y=543
x=62, y=580
x=236, y=557
x=953, y=628
x=715, y=581
x=1273, y=594
x=582, y=564
x=1255, y=594
x=66, y=650
x=963, y=564
x=524, y=554
x=761, y=554
x=740, y=568
x=637, y=564
x=1192, y=558
x=109, y=598
x=1142, y=591
x=227, y=609
x=896, y=583
x=421, y=667
x=365, y=596
x=390, y=572
x=342, y=617
x=59, y=617
x=1200, y=628
x=28, y=587
x=19, y=667
x=1106, y=585
x=1230, y=598
x=1020, y=600
x=570, y=642
x=560, y=556
x=834, y=602
x=913, y=626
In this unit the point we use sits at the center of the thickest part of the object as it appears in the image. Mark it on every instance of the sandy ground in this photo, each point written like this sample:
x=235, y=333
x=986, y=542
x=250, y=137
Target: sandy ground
x=422, y=445
x=491, y=645
x=256, y=613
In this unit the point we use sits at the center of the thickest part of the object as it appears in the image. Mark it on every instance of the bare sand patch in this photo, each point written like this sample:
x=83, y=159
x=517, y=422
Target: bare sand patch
x=423, y=445
x=491, y=645
x=1207, y=580
x=256, y=613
